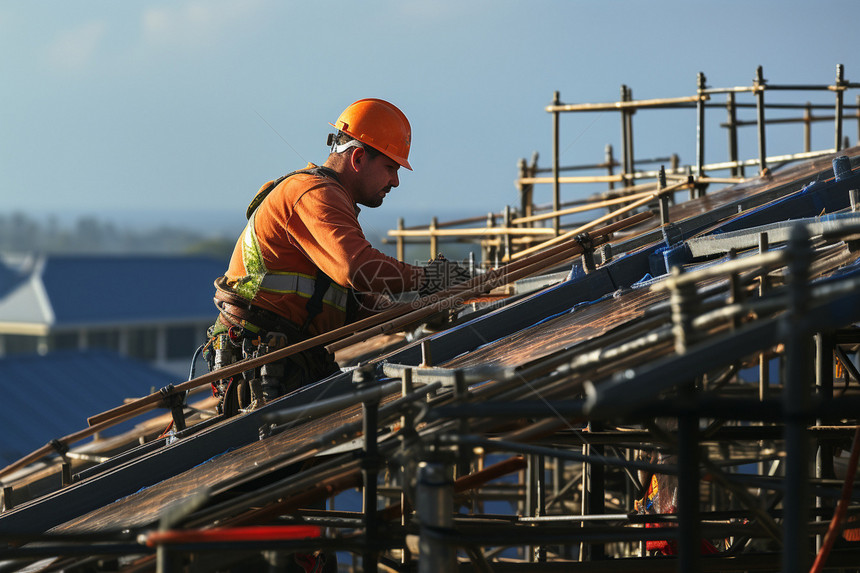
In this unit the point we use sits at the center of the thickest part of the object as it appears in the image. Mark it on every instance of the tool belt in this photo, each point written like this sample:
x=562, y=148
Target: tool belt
x=244, y=330
x=234, y=310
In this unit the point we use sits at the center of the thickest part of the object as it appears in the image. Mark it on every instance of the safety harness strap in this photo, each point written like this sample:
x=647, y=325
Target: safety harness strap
x=264, y=192
x=321, y=291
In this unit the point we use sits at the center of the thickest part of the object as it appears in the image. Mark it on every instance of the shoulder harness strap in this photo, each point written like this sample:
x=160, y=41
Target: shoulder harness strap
x=264, y=192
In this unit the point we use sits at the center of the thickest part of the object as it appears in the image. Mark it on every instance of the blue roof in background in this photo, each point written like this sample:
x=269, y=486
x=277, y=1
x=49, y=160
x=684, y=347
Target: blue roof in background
x=109, y=288
x=9, y=278
x=51, y=396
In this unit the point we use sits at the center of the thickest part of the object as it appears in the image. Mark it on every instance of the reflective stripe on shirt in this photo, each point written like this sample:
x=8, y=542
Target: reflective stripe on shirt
x=258, y=277
x=303, y=285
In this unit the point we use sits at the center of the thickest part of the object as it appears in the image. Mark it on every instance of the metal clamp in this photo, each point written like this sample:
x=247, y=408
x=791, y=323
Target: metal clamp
x=585, y=241
x=174, y=401
x=61, y=448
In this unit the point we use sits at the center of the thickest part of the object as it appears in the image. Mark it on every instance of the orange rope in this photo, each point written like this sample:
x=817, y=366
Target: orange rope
x=166, y=430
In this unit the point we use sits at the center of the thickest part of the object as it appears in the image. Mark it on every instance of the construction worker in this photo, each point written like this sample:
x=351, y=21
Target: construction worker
x=303, y=266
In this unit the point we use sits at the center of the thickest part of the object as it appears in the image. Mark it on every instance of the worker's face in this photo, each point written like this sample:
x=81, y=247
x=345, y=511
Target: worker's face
x=378, y=177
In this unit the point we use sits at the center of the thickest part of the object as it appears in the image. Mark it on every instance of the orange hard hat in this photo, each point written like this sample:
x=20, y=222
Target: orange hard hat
x=379, y=124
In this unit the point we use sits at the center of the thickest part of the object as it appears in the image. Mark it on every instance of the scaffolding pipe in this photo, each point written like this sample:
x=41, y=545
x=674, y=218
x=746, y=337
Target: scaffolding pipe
x=700, y=127
x=759, y=87
x=369, y=474
x=435, y=502
x=839, y=88
x=623, y=105
x=824, y=350
x=689, y=536
x=795, y=399
x=596, y=493
x=401, y=248
x=556, y=160
x=732, y=125
x=631, y=156
x=434, y=242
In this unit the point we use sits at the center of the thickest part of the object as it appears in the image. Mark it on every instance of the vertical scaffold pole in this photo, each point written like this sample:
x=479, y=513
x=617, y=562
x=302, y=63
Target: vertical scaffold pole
x=407, y=422
x=508, y=239
x=839, y=88
x=401, y=248
x=824, y=347
x=596, y=490
x=556, y=186
x=490, y=249
x=585, y=488
x=763, y=364
x=732, y=124
x=625, y=147
x=759, y=87
x=664, y=198
x=700, y=126
x=857, y=105
x=610, y=164
x=530, y=502
x=628, y=125
x=683, y=301
x=529, y=208
x=795, y=550
x=524, y=189
x=370, y=473
x=540, y=470
x=434, y=238
x=689, y=537
x=434, y=500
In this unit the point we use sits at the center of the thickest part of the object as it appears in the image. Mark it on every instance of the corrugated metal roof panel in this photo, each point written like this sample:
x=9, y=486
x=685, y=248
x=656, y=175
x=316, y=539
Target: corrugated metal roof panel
x=81, y=290
x=48, y=397
x=104, y=288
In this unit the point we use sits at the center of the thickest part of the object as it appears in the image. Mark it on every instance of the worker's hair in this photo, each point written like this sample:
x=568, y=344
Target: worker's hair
x=342, y=138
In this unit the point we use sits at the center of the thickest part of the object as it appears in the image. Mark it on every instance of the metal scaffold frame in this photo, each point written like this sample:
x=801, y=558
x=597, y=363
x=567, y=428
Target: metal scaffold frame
x=515, y=228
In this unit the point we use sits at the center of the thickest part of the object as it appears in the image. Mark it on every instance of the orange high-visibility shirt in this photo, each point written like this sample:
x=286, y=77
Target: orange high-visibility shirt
x=309, y=222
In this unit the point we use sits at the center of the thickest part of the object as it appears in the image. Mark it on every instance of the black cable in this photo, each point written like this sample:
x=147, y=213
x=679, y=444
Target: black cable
x=194, y=360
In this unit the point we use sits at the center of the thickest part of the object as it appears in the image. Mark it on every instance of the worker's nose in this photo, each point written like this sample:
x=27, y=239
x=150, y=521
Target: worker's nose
x=395, y=179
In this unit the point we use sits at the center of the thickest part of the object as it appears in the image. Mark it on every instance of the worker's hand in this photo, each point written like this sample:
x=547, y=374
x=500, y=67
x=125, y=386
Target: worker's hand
x=441, y=274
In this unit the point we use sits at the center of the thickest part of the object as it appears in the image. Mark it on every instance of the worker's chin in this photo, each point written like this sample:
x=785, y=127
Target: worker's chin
x=373, y=203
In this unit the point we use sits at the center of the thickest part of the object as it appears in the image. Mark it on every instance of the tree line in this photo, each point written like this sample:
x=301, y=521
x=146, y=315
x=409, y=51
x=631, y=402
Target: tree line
x=20, y=233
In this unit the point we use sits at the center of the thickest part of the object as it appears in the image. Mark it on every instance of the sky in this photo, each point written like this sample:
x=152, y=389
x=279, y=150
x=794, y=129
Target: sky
x=157, y=111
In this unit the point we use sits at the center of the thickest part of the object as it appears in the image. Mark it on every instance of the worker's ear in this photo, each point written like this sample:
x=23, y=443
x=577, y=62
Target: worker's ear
x=357, y=158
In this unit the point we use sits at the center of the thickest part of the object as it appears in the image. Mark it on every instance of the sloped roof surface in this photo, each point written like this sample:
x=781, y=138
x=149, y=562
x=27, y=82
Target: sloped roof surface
x=9, y=277
x=71, y=290
x=48, y=397
x=26, y=303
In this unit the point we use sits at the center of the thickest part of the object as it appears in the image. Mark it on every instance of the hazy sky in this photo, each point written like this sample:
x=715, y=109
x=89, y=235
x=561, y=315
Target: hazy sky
x=188, y=106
